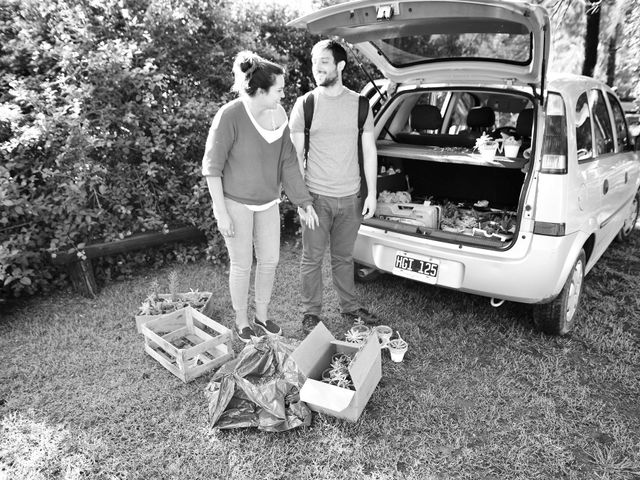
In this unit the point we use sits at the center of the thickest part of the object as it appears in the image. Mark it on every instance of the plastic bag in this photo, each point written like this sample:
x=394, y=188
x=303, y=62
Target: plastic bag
x=259, y=388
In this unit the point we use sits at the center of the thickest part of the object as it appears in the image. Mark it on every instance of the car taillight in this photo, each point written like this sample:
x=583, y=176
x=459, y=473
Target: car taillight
x=554, y=142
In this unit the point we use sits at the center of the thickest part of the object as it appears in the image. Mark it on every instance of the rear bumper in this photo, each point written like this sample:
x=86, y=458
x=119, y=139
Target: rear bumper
x=532, y=271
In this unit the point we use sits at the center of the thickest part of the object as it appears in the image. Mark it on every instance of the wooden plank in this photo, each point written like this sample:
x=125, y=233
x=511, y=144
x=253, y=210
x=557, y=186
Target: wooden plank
x=161, y=342
x=218, y=327
x=165, y=363
x=135, y=242
x=179, y=333
x=194, y=372
x=205, y=346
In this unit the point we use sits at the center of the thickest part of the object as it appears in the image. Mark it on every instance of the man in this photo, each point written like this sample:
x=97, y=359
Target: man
x=332, y=175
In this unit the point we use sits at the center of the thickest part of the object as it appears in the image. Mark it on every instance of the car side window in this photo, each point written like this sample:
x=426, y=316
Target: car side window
x=583, y=128
x=602, y=123
x=463, y=103
x=620, y=123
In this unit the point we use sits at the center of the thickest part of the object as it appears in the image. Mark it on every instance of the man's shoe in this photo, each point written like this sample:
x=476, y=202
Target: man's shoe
x=269, y=327
x=309, y=321
x=361, y=315
x=245, y=334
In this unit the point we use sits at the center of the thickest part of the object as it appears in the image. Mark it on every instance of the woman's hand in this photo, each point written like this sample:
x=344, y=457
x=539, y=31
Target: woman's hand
x=309, y=217
x=225, y=225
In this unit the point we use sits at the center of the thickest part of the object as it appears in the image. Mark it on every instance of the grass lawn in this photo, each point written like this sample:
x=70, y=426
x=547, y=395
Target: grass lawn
x=480, y=395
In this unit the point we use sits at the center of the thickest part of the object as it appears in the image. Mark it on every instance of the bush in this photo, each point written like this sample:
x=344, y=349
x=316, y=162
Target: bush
x=103, y=118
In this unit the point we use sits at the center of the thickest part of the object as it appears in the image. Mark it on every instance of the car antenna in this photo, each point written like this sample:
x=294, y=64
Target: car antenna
x=382, y=95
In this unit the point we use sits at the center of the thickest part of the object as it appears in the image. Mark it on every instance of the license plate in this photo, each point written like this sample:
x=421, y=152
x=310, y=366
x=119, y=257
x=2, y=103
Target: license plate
x=416, y=267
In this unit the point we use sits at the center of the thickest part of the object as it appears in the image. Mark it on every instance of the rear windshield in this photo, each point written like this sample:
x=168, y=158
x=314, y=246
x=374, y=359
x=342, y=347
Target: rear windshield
x=415, y=49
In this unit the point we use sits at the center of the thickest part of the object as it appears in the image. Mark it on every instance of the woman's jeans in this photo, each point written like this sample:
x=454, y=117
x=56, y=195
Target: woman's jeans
x=340, y=219
x=262, y=231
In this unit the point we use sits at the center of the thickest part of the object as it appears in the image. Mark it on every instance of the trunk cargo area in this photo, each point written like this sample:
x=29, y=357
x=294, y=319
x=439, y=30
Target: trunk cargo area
x=448, y=194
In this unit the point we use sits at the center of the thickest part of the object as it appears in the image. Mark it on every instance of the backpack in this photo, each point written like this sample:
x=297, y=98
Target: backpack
x=363, y=111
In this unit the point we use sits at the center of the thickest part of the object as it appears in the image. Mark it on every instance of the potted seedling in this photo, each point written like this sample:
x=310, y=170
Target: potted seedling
x=158, y=304
x=511, y=147
x=486, y=146
x=397, y=348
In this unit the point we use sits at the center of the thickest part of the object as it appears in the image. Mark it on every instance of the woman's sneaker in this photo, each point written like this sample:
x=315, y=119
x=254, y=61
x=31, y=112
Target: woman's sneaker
x=245, y=334
x=269, y=327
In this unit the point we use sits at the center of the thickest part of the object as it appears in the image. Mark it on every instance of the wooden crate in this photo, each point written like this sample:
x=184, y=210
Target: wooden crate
x=186, y=297
x=181, y=343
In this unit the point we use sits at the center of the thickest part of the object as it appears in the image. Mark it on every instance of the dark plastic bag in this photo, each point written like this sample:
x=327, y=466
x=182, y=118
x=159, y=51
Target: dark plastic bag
x=259, y=388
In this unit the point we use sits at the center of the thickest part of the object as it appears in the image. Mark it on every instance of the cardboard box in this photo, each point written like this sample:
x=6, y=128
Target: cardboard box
x=314, y=355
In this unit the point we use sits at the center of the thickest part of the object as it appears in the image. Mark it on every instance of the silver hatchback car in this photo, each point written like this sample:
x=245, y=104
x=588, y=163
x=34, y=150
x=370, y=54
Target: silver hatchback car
x=496, y=178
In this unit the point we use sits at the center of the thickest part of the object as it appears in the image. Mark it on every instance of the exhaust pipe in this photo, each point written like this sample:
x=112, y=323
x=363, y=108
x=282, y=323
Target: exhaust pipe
x=363, y=271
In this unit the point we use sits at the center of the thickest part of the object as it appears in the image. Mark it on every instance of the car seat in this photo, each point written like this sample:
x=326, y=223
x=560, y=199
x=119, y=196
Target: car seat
x=480, y=120
x=422, y=120
x=425, y=118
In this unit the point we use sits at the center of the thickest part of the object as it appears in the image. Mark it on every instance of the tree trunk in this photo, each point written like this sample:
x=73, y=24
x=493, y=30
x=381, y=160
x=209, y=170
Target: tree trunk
x=591, y=39
x=611, y=61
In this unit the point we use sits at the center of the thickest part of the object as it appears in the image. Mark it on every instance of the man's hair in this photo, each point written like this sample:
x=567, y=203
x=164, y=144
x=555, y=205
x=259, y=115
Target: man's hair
x=335, y=47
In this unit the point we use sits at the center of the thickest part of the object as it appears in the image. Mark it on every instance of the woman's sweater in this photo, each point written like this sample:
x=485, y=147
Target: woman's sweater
x=251, y=168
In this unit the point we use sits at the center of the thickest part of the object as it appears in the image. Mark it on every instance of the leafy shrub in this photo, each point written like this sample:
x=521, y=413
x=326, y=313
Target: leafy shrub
x=104, y=110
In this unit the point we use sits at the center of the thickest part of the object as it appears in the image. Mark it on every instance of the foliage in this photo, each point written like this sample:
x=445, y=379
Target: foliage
x=103, y=119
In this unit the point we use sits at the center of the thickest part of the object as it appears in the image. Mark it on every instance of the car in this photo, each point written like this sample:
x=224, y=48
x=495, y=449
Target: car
x=497, y=178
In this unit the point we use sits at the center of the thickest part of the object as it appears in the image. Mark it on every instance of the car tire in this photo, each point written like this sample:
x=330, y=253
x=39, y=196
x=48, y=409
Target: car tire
x=630, y=221
x=559, y=316
x=365, y=274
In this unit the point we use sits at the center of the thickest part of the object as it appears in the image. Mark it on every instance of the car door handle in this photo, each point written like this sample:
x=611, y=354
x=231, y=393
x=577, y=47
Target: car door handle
x=605, y=187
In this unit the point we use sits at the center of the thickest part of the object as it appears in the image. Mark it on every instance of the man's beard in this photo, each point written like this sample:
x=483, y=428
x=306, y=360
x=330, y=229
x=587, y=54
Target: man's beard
x=329, y=81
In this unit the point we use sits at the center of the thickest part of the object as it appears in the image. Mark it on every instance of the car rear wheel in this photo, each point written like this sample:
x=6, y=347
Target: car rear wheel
x=559, y=316
x=630, y=220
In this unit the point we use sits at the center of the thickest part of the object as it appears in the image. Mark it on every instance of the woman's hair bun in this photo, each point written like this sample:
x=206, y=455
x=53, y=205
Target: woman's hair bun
x=247, y=62
x=246, y=65
x=252, y=72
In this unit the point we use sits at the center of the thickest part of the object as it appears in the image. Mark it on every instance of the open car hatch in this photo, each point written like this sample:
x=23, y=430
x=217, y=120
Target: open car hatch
x=444, y=41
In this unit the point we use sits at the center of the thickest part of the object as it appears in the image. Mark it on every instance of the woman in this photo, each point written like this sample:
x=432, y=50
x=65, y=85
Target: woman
x=247, y=156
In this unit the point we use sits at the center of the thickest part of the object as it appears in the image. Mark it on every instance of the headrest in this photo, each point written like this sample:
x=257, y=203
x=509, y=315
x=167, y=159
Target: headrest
x=525, y=122
x=481, y=117
x=425, y=117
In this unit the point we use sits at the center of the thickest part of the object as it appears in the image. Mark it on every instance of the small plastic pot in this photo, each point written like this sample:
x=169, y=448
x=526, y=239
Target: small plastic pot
x=397, y=348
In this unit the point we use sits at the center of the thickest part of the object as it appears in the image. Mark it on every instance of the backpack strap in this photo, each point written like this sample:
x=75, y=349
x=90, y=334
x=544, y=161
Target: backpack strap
x=363, y=112
x=307, y=106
